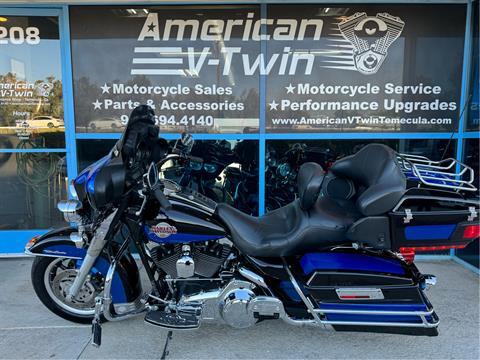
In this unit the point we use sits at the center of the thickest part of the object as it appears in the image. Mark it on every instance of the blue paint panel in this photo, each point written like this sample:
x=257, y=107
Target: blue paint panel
x=349, y=262
x=117, y=290
x=179, y=238
x=379, y=307
x=289, y=290
x=429, y=232
x=375, y=318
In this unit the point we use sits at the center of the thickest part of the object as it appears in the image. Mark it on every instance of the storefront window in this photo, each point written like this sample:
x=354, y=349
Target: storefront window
x=195, y=65
x=473, y=115
x=364, y=68
x=471, y=158
x=284, y=158
x=31, y=104
x=228, y=174
x=31, y=117
x=32, y=184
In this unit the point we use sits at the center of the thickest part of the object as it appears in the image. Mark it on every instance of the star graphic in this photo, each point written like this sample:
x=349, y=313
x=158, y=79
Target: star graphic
x=151, y=27
x=273, y=105
x=97, y=105
x=105, y=89
x=290, y=88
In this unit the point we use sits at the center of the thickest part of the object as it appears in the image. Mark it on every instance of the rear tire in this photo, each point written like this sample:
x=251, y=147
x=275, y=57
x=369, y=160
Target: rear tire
x=40, y=266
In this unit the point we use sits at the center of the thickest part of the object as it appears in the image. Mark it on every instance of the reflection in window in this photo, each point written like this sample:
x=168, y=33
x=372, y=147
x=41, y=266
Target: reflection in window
x=31, y=104
x=32, y=184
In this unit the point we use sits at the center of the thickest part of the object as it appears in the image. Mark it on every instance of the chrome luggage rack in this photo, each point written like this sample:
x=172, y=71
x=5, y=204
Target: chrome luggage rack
x=448, y=173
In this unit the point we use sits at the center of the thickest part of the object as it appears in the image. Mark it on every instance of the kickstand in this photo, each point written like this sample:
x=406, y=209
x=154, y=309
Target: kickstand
x=165, y=348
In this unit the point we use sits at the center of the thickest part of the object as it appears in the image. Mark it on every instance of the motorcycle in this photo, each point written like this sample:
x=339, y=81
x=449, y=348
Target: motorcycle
x=282, y=171
x=222, y=174
x=340, y=256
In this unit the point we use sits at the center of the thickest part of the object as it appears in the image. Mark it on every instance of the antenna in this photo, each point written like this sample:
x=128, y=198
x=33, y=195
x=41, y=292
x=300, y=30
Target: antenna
x=453, y=132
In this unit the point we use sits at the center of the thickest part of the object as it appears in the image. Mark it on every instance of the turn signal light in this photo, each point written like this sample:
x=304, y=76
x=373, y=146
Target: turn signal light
x=471, y=232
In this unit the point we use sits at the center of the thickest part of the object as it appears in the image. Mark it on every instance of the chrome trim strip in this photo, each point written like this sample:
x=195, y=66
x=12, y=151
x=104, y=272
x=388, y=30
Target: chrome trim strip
x=373, y=312
x=396, y=324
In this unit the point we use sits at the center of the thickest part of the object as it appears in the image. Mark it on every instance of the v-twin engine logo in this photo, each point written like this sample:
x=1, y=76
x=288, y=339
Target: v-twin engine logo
x=370, y=36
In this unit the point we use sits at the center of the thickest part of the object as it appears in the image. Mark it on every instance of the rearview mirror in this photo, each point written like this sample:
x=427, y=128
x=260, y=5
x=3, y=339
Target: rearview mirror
x=152, y=175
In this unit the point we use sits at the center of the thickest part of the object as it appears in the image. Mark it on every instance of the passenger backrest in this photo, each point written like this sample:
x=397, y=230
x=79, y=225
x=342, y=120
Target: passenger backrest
x=380, y=181
x=309, y=182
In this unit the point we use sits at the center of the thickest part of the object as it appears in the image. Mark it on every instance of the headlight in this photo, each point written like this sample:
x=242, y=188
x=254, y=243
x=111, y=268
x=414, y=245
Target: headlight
x=73, y=192
x=69, y=210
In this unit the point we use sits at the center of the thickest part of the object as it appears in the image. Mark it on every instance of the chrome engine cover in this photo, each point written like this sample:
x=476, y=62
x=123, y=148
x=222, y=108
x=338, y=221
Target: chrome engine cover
x=236, y=304
x=235, y=307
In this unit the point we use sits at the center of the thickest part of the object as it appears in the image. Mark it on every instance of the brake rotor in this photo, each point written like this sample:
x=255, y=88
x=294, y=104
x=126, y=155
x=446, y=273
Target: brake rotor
x=61, y=284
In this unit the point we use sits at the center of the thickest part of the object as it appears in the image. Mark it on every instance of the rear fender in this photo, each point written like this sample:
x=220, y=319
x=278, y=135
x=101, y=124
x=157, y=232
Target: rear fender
x=126, y=285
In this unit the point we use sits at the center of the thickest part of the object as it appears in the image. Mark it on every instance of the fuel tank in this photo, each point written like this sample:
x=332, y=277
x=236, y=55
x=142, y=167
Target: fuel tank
x=190, y=220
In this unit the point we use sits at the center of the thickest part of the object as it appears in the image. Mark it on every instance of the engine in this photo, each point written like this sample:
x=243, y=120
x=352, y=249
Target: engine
x=184, y=261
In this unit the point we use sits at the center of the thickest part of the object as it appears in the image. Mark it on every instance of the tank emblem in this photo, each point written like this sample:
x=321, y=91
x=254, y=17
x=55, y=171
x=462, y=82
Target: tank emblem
x=163, y=230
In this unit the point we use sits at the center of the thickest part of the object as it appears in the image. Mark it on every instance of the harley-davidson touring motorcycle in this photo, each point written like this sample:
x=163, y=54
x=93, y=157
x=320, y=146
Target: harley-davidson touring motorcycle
x=339, y=256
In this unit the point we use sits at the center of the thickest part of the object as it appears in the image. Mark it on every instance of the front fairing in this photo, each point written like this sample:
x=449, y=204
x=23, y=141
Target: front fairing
x=84, y=183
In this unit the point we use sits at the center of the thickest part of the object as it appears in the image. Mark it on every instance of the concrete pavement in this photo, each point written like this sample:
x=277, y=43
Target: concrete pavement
x=29, y=330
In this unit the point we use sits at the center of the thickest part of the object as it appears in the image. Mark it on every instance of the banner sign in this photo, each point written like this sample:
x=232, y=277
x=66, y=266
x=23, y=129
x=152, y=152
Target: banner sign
x=369, y=68
x=185, y=62
x=365, y=68
x=31, y=104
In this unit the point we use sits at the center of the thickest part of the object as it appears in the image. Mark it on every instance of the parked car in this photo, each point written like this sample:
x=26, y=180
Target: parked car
x=105, y=123
x=43, y=121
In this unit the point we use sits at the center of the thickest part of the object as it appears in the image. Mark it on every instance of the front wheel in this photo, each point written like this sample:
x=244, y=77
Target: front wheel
x=52, y=279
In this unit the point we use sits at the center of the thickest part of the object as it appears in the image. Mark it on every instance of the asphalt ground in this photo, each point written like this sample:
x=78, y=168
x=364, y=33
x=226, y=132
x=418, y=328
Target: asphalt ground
x=29, y=330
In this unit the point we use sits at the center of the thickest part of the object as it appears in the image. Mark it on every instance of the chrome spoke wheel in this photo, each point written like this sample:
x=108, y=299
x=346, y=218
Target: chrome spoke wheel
x=59, y=277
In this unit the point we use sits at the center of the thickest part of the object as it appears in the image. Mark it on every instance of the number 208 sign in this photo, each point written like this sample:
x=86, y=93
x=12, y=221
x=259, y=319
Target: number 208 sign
x=17, y=35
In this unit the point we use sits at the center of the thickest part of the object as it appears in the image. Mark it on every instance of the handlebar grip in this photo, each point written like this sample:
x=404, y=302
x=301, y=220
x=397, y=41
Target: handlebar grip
x=162, y=199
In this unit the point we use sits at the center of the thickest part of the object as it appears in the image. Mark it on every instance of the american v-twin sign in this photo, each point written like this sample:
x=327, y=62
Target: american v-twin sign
x=366, y=39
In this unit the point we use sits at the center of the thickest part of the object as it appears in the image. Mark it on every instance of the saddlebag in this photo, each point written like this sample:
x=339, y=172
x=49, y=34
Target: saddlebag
x=360, y=291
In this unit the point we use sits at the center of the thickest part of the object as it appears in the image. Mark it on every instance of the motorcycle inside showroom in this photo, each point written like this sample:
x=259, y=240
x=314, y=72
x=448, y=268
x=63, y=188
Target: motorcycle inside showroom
x=339, y=255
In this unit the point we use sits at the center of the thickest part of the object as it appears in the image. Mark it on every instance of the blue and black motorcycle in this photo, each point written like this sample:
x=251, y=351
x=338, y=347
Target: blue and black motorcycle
x=339, y=256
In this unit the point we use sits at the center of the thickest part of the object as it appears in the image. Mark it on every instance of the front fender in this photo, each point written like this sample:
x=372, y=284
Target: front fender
x=126, y=285
x=55, y=243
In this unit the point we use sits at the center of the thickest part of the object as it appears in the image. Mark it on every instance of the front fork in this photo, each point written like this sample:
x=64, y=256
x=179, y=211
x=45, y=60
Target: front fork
x=102, y=234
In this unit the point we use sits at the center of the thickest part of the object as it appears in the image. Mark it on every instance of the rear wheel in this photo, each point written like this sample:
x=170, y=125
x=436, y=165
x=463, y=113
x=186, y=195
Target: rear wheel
x=52, y=279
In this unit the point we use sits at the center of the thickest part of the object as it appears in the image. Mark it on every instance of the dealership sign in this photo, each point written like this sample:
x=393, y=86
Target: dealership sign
x=369, y=36
x=362, y=69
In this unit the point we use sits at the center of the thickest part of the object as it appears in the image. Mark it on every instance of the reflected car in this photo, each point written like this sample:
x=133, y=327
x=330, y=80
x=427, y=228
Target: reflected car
x=43, y=121
x=105, y=123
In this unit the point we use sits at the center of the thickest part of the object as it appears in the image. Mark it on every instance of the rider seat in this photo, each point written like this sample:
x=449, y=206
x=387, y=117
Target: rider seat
x=312, y=222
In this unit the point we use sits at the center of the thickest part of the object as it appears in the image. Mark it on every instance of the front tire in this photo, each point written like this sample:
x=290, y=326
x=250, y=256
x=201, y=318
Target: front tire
x=51, y=278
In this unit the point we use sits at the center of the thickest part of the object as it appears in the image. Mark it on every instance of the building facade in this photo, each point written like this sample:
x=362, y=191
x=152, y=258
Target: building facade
x=262, y=86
